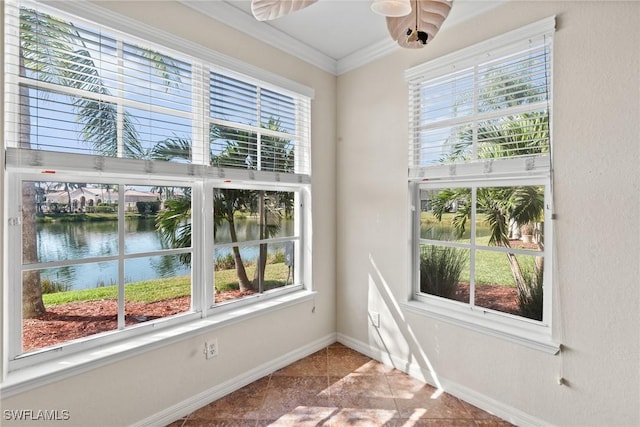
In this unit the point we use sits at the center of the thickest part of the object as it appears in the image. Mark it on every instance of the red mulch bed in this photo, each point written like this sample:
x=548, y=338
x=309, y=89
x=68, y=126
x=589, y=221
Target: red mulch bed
x=499, y=298
x=67, y=322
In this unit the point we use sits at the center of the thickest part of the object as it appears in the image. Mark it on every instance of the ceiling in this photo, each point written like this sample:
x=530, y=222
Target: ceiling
x=335, y=35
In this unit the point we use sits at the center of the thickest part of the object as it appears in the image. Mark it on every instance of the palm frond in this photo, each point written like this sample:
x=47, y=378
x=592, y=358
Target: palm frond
x=166, y=67
x=528, y=204
x=172, y=148
x=494, y=204
x=174, y=223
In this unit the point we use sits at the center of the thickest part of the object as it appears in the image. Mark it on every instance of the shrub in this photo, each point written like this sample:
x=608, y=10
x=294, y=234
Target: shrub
x=277, y=258
x=51, y=287
x=57, y=207
x=105, y=209
x=72, y=217
x=148, y=207
x=440, y=269
x=225, y=262
x=227, y=287
x=530, y=298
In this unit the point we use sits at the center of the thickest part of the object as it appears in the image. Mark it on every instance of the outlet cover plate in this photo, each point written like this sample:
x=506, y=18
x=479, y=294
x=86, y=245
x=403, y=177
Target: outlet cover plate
x=211, y=348
x=375, y=319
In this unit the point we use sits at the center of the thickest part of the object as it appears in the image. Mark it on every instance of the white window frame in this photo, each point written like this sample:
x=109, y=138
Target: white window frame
x=28, y=165
x=18, y=359
x=300, y=277
x=506, y=172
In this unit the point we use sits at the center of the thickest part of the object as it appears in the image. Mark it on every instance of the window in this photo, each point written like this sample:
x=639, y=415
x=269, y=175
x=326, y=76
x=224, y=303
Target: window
x=255, y=241
x=147, y=187
x=480, y=183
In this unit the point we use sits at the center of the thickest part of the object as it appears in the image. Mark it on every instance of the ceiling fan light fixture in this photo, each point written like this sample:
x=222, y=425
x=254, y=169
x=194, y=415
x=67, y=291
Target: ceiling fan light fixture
x=392, y=8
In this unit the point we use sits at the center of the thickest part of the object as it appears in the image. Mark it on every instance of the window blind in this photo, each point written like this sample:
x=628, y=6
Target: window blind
x=76, y=87
x=258, y=128
x=79, y=89
x=483, y=103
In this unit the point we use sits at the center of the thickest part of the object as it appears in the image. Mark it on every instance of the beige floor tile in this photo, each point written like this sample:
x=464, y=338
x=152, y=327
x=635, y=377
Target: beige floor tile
x=343, y=361
x=313, y=365
x=404, y=422
x=220, y=423
x=364, y=417
x=338, y=387
x=302, y=416
x=361, y=391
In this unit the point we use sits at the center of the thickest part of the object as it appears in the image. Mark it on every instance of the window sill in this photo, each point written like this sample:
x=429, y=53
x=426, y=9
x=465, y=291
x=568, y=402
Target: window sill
x=535, y=336
x=37, y=375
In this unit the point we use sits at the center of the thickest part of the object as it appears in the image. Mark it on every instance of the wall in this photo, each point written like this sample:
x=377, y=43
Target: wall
x=596, y=148
x=596, y=47
x=2, y=210
x=131, y=390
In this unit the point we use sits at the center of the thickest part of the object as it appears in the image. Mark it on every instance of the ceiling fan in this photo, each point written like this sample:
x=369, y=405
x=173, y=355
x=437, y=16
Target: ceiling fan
x=411, y=23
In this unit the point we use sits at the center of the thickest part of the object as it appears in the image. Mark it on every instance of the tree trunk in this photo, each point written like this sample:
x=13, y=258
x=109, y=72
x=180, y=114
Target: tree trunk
x=539, y=261
x=521, y=284
x=32, y=304
x=261, y=265
x=68, y=190
x=243, y=279
x=539, y=266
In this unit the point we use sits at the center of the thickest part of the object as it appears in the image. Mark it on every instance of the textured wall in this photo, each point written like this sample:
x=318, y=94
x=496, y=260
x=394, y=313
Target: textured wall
x=596, y=131
x=129, y=391
x=596, y=141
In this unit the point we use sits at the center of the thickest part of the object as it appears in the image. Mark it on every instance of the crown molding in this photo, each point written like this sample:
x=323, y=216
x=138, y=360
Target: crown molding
x=241, y=21
x=233, y=17
x=237, y=19
x=364, y=56
x=386, y=46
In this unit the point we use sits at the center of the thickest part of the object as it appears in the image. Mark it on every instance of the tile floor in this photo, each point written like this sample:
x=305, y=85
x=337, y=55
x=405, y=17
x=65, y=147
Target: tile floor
x=338, y=387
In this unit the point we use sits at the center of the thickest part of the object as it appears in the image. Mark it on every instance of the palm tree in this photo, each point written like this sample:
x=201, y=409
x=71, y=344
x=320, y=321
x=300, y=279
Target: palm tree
x=226, y=203
x=32, y=304
x=502, y=206
x=521, y=135
x=53, y=51
x=30, y=52
x=174, y=224
x=239, y=151
x=277, y=154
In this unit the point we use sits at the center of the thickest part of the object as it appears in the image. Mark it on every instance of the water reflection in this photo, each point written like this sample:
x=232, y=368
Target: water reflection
x=61, y=241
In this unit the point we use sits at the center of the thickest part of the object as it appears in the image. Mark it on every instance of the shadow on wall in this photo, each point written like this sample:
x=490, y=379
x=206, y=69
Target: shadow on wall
x=379, y=292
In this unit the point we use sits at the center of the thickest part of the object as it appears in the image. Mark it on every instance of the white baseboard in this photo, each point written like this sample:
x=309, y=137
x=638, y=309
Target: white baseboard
x=483, y=402
x=193, y=403
x=486, y=403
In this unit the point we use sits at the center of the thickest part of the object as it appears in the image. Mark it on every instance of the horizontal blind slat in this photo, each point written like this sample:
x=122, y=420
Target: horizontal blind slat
x=493, y=108
x=138, y=95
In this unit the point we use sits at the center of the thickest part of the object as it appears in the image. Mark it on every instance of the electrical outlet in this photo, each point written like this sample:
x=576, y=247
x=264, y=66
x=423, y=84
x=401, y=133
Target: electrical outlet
x=211, y=348
x=375, y=319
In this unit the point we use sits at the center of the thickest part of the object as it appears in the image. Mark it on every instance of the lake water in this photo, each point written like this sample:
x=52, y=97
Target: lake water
x=63, y=241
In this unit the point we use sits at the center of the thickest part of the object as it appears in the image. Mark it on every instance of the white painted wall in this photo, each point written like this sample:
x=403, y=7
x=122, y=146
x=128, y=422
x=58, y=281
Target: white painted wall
x=2, y=207
x=596, y=142
x=137, y=388
x=597, y=180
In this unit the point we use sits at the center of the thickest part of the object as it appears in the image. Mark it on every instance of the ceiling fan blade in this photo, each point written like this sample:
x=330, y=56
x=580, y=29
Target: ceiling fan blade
x=431, y=14
x=266, y=10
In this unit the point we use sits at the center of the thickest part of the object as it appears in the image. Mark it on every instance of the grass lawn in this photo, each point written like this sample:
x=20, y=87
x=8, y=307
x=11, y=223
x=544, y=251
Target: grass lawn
x=492, y=268
x=162, y=289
